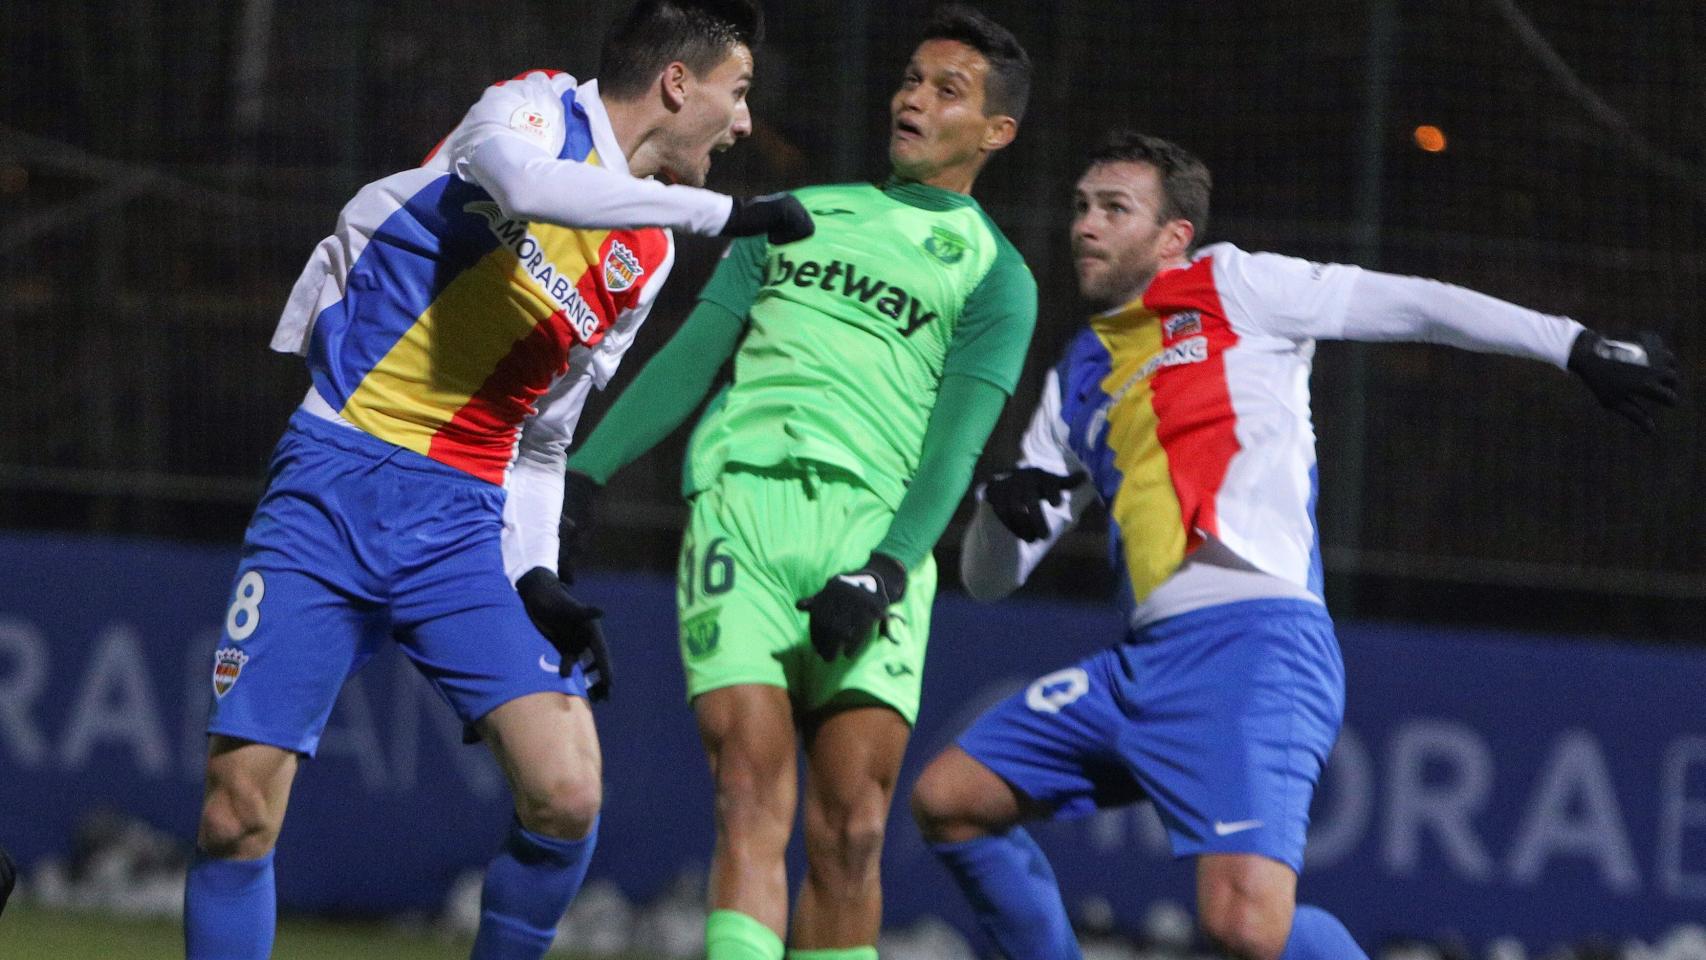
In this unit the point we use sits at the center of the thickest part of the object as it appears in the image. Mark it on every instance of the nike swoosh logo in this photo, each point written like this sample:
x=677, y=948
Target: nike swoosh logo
x=547, y=665
x=1222, y=828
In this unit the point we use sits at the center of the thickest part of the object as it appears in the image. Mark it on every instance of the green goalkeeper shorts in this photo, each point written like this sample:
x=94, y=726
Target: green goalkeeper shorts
x=758, y=542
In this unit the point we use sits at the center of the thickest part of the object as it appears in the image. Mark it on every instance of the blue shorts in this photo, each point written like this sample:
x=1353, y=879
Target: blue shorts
x=1222, y=717
x=357, y=540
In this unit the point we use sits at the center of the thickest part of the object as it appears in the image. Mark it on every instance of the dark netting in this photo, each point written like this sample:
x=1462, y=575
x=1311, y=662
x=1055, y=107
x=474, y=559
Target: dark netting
x=165, y=169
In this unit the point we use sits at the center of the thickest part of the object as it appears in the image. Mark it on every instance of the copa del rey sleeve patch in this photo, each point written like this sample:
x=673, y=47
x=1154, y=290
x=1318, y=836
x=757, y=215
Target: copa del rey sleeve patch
x=531, y=121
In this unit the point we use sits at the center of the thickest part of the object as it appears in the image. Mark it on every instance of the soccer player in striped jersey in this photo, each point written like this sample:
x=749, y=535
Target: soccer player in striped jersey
x=870, y=363
x=1184, y=408
x=452, y=327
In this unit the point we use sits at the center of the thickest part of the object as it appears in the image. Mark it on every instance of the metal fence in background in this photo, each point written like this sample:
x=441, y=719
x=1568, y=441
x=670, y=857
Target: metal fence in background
x=166, y=167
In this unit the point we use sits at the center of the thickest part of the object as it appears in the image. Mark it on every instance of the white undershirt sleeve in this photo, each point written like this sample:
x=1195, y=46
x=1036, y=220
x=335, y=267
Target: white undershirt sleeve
x=993, y=561
x=533, y=505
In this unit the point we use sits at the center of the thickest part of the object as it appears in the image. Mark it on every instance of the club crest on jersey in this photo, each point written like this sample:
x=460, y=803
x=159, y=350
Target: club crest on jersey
x=621, y=268
x=700, y=634
x=1183, y=324
x=945, y=245
x=227, y=667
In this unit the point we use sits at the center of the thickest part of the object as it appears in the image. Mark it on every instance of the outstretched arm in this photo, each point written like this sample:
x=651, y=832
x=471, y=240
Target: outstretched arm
x=529, y=184
x=1300, y=300
x=509, y=143
x=1630, y=378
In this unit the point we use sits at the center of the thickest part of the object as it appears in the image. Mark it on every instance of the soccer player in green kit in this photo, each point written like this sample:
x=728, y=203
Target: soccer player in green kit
x=871, y=362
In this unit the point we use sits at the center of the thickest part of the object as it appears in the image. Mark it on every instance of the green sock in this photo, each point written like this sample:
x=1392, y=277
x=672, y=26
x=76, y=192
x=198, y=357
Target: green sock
x=732, y=935
x=837, y=953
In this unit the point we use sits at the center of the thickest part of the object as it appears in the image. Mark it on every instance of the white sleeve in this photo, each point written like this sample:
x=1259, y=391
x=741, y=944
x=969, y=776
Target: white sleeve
x=1301, y=300
x=994, y=562
x=1385, y=306
x=508, y=144
x=1283, y=296
x=533, y=506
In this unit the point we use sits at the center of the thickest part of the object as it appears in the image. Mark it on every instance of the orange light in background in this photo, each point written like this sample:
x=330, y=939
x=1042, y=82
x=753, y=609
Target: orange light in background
x=1430, y=138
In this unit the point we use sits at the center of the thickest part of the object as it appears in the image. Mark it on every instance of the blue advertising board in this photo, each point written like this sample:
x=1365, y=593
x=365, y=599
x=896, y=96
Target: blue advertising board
x=1484, y=785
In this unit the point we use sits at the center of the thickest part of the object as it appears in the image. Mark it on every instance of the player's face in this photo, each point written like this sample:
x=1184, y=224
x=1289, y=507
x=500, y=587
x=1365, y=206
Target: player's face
x=1119, y=240
x=936, y=119
x=713, y=116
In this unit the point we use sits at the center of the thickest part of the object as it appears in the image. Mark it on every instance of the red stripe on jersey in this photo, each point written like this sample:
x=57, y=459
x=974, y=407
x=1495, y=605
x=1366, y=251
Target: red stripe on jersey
x=627, y=261
x=1193, y=406
x=525, y=73
x=480, y=438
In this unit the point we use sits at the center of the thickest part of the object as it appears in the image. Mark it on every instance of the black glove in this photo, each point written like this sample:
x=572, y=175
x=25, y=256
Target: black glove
x=1628, y=378
x=1017, y=497
x=579, y=492
x=571, y=626
x=845, y=611
x=8, y=877
x=778, y=214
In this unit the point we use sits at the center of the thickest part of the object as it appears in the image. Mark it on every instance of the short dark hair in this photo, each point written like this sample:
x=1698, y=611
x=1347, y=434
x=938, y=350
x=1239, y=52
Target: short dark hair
x=656, y=33
x=1008, y=86
x=1185, y=180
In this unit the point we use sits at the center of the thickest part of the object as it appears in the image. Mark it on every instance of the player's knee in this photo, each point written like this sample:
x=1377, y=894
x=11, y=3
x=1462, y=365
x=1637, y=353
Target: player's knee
x=565, y=807
x=847, y=842
x=935, y=805
x=750, y=800
x=237, y=822
x=1245, y=927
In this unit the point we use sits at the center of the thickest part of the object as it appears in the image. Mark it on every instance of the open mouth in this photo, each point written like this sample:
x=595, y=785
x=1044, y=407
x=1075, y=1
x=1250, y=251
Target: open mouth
x=906, y=128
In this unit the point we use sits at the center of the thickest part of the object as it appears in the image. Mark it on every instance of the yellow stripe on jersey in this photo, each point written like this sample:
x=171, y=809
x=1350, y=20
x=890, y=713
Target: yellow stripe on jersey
x=445, y=357
x=1146, y=503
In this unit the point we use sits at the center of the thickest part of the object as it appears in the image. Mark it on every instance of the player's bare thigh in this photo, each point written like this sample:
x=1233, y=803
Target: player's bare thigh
x=958, y=799
x=1245, y=903
x=547, y=746
x=748, y=733
x=248, y=788
x=853, y=760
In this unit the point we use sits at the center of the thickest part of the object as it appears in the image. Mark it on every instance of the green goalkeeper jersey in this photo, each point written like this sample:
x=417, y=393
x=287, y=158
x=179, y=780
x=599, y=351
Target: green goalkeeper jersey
x=850, y=332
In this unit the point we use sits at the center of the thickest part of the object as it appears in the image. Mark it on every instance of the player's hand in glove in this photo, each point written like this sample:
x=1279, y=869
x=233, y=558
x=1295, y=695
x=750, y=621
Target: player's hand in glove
x=571, y=626
x=848, y=608
x=1627, y=377
x=1017, y=497
x=579, y=493
x=779, y=215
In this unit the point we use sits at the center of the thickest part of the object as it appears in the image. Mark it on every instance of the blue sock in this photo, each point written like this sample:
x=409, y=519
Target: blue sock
x=1318, y=935
x=1014, y=894
x=528, y=887
x=230, y=909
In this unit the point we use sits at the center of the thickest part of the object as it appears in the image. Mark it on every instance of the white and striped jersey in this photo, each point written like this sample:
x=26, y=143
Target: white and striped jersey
x=1188, y=411
x=463, y=309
